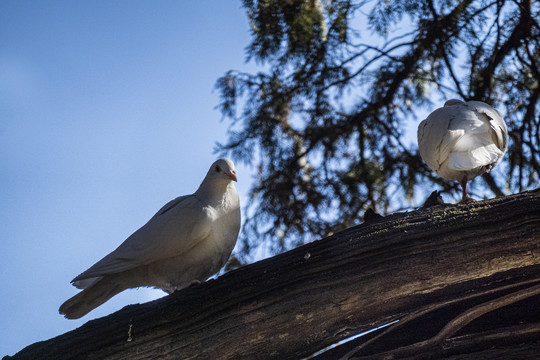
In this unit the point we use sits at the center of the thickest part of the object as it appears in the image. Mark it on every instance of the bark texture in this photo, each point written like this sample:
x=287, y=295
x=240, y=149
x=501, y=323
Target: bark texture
x=463, y=281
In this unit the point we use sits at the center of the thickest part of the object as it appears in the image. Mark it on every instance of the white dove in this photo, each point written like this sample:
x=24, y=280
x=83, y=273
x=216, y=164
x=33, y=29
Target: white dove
x=186, y=241
x=462, y=140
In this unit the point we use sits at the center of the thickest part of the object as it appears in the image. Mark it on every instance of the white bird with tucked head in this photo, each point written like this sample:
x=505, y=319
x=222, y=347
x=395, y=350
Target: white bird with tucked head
x=462, y=140
x=186, y=241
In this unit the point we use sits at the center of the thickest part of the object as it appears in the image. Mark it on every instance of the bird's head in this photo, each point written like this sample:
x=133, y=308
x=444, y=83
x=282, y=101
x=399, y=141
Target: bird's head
x=453, y=102
x=223, y=169
x=217, y=187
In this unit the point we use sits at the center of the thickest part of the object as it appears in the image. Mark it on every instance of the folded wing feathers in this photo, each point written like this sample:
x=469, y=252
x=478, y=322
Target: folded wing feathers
x=484, y=140
x=474, y=158
x=467, y=135
x=498, y=131
x=137, y=250
x=435, y=139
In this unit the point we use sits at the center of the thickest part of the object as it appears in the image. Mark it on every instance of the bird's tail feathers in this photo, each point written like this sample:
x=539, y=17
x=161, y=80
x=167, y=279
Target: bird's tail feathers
x=481, y=156
x=91, y=297
x=86, y=283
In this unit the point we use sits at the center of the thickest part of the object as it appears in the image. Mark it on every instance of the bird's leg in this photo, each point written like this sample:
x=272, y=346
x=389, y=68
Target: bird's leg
x=465, y=199
x=169, y=288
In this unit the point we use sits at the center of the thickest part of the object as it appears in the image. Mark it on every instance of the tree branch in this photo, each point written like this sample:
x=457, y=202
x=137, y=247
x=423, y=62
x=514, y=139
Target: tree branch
x=296, y=303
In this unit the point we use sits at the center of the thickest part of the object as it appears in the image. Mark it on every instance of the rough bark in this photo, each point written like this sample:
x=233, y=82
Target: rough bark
x=463, y=281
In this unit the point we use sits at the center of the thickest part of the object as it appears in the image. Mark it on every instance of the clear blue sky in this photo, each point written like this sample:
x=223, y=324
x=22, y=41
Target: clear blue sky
x=107, y=111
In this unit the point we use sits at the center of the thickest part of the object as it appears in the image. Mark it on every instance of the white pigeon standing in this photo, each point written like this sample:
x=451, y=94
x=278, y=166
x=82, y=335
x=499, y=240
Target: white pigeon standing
x=462, y=140
x=186, y=241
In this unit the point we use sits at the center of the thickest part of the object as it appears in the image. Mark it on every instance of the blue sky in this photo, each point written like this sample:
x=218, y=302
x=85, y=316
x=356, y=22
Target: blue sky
x=107, y=112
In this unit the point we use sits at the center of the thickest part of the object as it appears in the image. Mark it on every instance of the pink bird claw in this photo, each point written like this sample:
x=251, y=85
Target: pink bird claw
x=467, y=200
x=169, y=289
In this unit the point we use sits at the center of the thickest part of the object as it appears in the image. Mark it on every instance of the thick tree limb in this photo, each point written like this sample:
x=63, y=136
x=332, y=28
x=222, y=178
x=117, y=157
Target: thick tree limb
x=424, y=268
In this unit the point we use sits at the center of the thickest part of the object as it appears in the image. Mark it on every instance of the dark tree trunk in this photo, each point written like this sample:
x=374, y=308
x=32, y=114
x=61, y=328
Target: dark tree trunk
x=463, y=281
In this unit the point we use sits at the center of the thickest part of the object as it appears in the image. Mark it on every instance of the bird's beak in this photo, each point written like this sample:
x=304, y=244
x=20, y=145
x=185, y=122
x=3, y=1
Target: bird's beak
x=232, y=175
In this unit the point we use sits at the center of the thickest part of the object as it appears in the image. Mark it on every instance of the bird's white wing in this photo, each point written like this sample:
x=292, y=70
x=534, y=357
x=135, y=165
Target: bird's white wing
x=176, y=228
x=481, y=156
x=484, y=141
x=435, y=139
x=499, y=131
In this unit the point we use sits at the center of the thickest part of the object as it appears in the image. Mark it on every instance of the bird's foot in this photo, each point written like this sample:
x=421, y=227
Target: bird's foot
x=169, y=288
x=467, y=200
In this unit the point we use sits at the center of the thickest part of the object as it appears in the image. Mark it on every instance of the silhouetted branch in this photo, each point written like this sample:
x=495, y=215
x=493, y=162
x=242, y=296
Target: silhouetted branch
x=445, y=273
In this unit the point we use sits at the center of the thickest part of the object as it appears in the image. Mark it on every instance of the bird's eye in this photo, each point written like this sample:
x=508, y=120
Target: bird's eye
x=218, y=169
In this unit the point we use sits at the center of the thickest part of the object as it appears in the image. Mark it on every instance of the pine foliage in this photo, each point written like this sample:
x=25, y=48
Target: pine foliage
x=325, y=120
